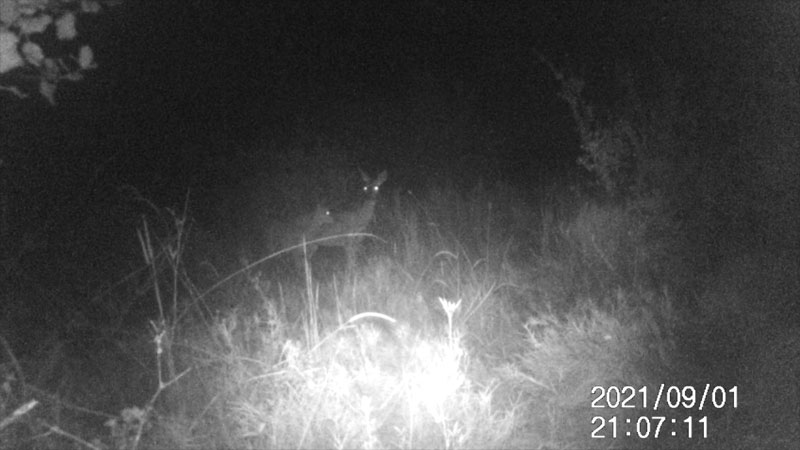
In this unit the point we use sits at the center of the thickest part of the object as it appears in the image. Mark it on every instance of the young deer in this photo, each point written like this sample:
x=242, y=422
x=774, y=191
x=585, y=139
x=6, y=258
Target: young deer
x=347, y=228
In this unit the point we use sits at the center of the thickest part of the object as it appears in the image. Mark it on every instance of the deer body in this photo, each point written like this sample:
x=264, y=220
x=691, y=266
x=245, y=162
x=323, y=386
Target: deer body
x=347, y=228
x=290, y=235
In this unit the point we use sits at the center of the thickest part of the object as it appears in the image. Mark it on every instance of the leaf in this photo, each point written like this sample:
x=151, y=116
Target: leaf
x=29, y=25
x=86, y=58
x=9, y=57
x=8, y=12
x=65, y=27
x=90, y=6
x=33, y=53
x=31, y=7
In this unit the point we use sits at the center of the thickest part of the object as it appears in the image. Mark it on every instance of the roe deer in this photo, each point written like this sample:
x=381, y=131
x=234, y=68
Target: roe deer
x=339, y=232
x=300, y=229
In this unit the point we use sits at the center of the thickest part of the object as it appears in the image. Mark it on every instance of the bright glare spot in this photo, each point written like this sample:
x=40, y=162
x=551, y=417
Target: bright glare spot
x=438, y=378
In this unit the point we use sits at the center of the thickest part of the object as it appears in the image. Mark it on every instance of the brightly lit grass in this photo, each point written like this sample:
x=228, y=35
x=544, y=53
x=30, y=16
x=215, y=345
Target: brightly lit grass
x=466, y=329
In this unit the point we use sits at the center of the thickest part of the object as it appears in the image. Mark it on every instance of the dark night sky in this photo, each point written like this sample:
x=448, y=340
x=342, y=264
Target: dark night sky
x=181, y=73
x=185, y=82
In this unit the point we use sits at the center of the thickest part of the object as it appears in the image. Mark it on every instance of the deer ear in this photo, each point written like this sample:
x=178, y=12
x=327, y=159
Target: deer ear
x=381, y=178
x=364, y=176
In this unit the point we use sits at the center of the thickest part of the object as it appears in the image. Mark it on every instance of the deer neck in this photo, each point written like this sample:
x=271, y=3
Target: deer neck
x=367, y=210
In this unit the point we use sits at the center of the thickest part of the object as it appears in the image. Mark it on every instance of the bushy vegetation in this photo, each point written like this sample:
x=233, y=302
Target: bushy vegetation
x=472, y=322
